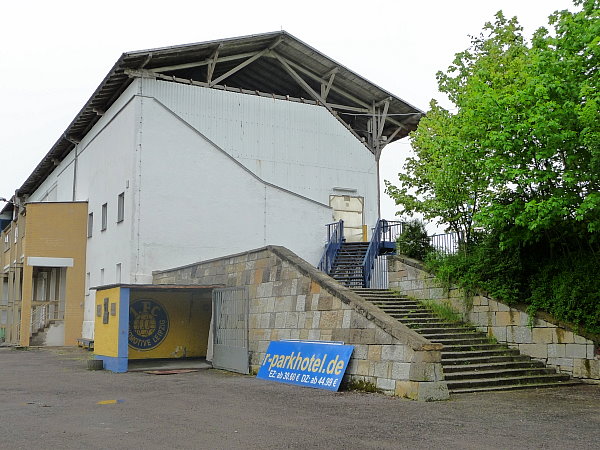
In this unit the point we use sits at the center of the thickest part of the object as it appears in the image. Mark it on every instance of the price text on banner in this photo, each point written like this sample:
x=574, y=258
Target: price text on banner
x=318, y=365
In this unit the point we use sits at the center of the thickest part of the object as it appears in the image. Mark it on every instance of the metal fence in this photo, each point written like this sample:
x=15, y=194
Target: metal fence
x=379, y=274
x=447, y=243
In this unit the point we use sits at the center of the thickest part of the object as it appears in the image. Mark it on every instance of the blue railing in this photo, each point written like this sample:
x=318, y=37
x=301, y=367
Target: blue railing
x=335, y=237
x=384, y=237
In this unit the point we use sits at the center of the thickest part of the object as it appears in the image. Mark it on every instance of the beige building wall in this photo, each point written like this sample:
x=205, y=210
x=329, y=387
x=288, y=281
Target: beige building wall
x=12, y=240
x=44, y=235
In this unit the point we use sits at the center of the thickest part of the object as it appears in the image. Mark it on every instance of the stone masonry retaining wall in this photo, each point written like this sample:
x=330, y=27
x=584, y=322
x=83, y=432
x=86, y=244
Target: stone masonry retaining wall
x=290, y=299
x=556, y=345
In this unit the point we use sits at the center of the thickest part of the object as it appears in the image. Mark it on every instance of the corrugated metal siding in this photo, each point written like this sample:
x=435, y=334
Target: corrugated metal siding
x=296, y=146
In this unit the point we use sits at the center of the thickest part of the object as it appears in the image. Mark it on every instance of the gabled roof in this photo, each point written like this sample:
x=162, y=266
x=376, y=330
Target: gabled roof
x=272, y=64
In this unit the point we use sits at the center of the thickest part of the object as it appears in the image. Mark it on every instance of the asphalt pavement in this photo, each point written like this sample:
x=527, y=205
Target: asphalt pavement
x=48, y=399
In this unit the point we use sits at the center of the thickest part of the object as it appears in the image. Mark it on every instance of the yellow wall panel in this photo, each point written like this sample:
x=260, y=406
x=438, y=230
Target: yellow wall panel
x=168, y=324
x=106, y=336
x=57, y=230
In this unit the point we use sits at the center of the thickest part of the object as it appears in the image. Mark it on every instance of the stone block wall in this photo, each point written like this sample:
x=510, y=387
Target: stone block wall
x=557, y=345
x=290, y=299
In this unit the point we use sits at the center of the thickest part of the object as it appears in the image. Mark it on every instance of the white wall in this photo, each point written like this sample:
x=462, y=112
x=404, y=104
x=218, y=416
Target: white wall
x=207, y=173
x=297, y=146
x=104, y=167
x=197, y=203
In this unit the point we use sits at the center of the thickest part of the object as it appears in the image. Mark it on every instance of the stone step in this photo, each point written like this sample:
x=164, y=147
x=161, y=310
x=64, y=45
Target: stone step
x=391, y=301
x=466, y=361
x=470, y=360
x=341, y=276
x=406, y=312
x=346, y=266
x=345, y=273
x=351, y=251
x=487, y=365
x=503, y=381
x=473, y=347
x=477, y=353
x=384, y=291
x=469, y=390
x=443, y=334
x=445, y=330
x=405, y=304
x=378, y=294
x=408, y=320
x=461, y=341
x=424, y=321
x=350, y=258
x=428, y=325
x=411, y=315
x=505, y=372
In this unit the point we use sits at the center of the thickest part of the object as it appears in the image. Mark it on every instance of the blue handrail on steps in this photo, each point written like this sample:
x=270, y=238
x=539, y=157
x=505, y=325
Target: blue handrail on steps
x=384, y=237
x=335, y=238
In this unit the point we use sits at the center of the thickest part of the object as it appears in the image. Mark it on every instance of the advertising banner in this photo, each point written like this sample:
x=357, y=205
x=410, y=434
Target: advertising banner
x=314, y=364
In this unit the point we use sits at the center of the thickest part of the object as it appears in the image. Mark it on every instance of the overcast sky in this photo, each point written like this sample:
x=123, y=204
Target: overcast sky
x=55, y=53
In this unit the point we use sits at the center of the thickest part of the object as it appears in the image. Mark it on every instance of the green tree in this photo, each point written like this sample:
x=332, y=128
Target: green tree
x=520, y=155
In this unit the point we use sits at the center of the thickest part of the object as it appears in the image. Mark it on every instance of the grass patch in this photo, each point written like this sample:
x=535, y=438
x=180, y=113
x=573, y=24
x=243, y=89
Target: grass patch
x=443, y=310
x=362, y=386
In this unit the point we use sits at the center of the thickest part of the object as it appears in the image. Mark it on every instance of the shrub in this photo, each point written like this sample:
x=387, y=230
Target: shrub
x=566, y=285
x=413, y=241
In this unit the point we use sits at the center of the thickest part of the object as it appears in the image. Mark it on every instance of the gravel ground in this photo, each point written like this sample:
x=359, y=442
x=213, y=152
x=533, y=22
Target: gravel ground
x=49, y=400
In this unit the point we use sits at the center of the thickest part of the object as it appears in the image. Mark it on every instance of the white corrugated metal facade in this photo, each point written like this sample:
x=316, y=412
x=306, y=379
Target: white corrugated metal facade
x=203, y=171
x=206, y=173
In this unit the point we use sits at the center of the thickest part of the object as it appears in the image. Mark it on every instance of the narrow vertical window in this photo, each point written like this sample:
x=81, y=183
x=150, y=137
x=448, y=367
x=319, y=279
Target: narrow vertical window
x=90, y=224
x=104, y=216
x=121, y=207
x=101, y=277
x=118, y=273
x=87, y=283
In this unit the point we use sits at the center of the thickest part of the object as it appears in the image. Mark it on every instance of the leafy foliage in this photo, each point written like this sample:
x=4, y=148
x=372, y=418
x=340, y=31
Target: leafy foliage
x=483, y=266
x=566, y=286
x=518, y=159
x=413, y=241
x=521, y=154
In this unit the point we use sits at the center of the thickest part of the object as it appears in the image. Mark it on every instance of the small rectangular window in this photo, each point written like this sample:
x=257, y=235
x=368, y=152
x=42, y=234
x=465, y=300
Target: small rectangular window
x=104, y=216
x=121, y=207
x=101, y=276
x=118, y=273
x=16, y=234
x=87, y=283
x=90, y=224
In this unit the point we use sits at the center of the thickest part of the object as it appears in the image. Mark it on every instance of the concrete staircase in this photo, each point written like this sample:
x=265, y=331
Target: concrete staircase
x=40, y=336
x=472, y=362
x=347, y=267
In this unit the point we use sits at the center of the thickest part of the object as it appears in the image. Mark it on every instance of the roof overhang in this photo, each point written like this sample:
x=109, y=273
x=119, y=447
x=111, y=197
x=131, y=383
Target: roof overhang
x=274, y=64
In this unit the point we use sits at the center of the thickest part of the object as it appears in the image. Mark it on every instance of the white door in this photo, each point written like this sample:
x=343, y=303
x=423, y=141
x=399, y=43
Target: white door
x=350, y=210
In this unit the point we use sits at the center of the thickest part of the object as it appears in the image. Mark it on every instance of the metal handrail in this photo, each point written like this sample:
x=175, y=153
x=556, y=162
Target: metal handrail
x=447, y=243
x=335, y=238
x=384, y=231
x=43, y=313
x=391, y=229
